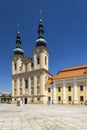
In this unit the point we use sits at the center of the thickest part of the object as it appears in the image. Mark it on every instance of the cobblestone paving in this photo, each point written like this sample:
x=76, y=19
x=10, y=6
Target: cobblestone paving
x=43, y=117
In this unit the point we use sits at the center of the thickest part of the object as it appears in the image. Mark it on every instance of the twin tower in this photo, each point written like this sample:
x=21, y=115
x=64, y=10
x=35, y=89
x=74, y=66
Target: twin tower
x=29, y=78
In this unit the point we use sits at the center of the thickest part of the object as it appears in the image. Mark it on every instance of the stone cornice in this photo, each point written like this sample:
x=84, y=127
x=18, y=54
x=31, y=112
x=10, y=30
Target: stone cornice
x=71, y=79
x=34, y=72
x=26, y=59
x=41, y=48
x=29, y=96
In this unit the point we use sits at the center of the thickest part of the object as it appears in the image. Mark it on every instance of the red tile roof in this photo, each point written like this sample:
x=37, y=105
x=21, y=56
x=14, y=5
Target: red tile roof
x=70, y=72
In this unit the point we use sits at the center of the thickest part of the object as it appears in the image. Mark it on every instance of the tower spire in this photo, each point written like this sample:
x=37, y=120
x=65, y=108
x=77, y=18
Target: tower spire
x=40, y=40
x=18, y=49
x=40, y=15
x=18, y=27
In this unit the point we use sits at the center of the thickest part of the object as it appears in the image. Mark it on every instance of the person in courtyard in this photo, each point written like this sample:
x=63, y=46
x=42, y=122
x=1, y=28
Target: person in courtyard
x=18, y=103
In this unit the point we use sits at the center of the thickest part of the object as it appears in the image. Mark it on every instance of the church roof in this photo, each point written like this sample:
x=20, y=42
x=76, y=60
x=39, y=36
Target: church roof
x=49, y=81
x=69, y=73
x=75, y=67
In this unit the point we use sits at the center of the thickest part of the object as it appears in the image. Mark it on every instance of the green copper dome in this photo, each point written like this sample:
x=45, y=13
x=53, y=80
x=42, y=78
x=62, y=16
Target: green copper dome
x=18, y=49
x=40, y=40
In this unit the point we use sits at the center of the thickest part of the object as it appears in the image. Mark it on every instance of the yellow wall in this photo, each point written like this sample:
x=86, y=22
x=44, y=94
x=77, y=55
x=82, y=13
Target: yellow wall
x=49, y=94
x=59, y=93
x=70, y=93
x=81, y=93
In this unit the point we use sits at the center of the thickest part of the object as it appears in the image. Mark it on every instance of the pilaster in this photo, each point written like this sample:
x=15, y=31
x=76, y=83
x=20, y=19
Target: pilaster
x=12, y=90
x=46, y=94
x=12, y=87
x=54, y=92
x=75, y=92
x=86, y=91
x=35, y=89
x=29, y=81
x=23, y=86
x=42, y=84
x=18, y=85
x=64, y=92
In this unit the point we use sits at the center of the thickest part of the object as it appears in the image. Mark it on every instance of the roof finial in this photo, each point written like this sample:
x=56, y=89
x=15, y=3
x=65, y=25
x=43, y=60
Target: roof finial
x=41, y=15
x=18, y=27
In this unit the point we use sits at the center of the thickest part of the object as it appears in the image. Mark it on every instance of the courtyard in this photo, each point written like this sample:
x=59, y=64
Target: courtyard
x=43, y=117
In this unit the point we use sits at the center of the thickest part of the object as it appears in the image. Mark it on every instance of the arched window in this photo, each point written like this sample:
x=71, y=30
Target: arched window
x=45, y=60
x=26, y=84
x=15, y=66
x=38, y=60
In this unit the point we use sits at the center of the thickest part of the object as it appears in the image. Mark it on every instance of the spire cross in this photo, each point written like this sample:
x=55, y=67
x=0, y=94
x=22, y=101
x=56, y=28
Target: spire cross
x=40, y=14
x=18, y=27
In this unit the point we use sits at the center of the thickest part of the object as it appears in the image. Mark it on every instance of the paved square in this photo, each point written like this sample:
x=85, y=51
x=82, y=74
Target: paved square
x=43, y=117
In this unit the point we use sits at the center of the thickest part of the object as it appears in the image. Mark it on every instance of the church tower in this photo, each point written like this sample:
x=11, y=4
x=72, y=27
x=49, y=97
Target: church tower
x=41, y=55
x=16, y=64
x=18, y=54
x=41, y=51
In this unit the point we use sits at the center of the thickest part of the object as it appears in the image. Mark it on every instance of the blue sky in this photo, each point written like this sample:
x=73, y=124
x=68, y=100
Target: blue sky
x=65, y=25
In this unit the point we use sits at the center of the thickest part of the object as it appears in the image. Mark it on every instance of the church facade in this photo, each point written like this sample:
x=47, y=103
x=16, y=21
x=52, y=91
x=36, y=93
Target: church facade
x=29, y=78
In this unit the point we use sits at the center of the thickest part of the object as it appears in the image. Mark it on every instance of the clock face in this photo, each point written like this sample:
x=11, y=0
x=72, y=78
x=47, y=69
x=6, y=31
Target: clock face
x=15, y=58
x=38, y=50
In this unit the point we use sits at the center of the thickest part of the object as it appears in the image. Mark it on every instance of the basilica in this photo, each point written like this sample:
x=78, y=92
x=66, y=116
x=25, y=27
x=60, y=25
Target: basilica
x=29, y=78
x=32, y=82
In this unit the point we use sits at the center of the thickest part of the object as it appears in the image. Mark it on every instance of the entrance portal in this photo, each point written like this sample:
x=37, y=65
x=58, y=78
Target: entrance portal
x=26, y=100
